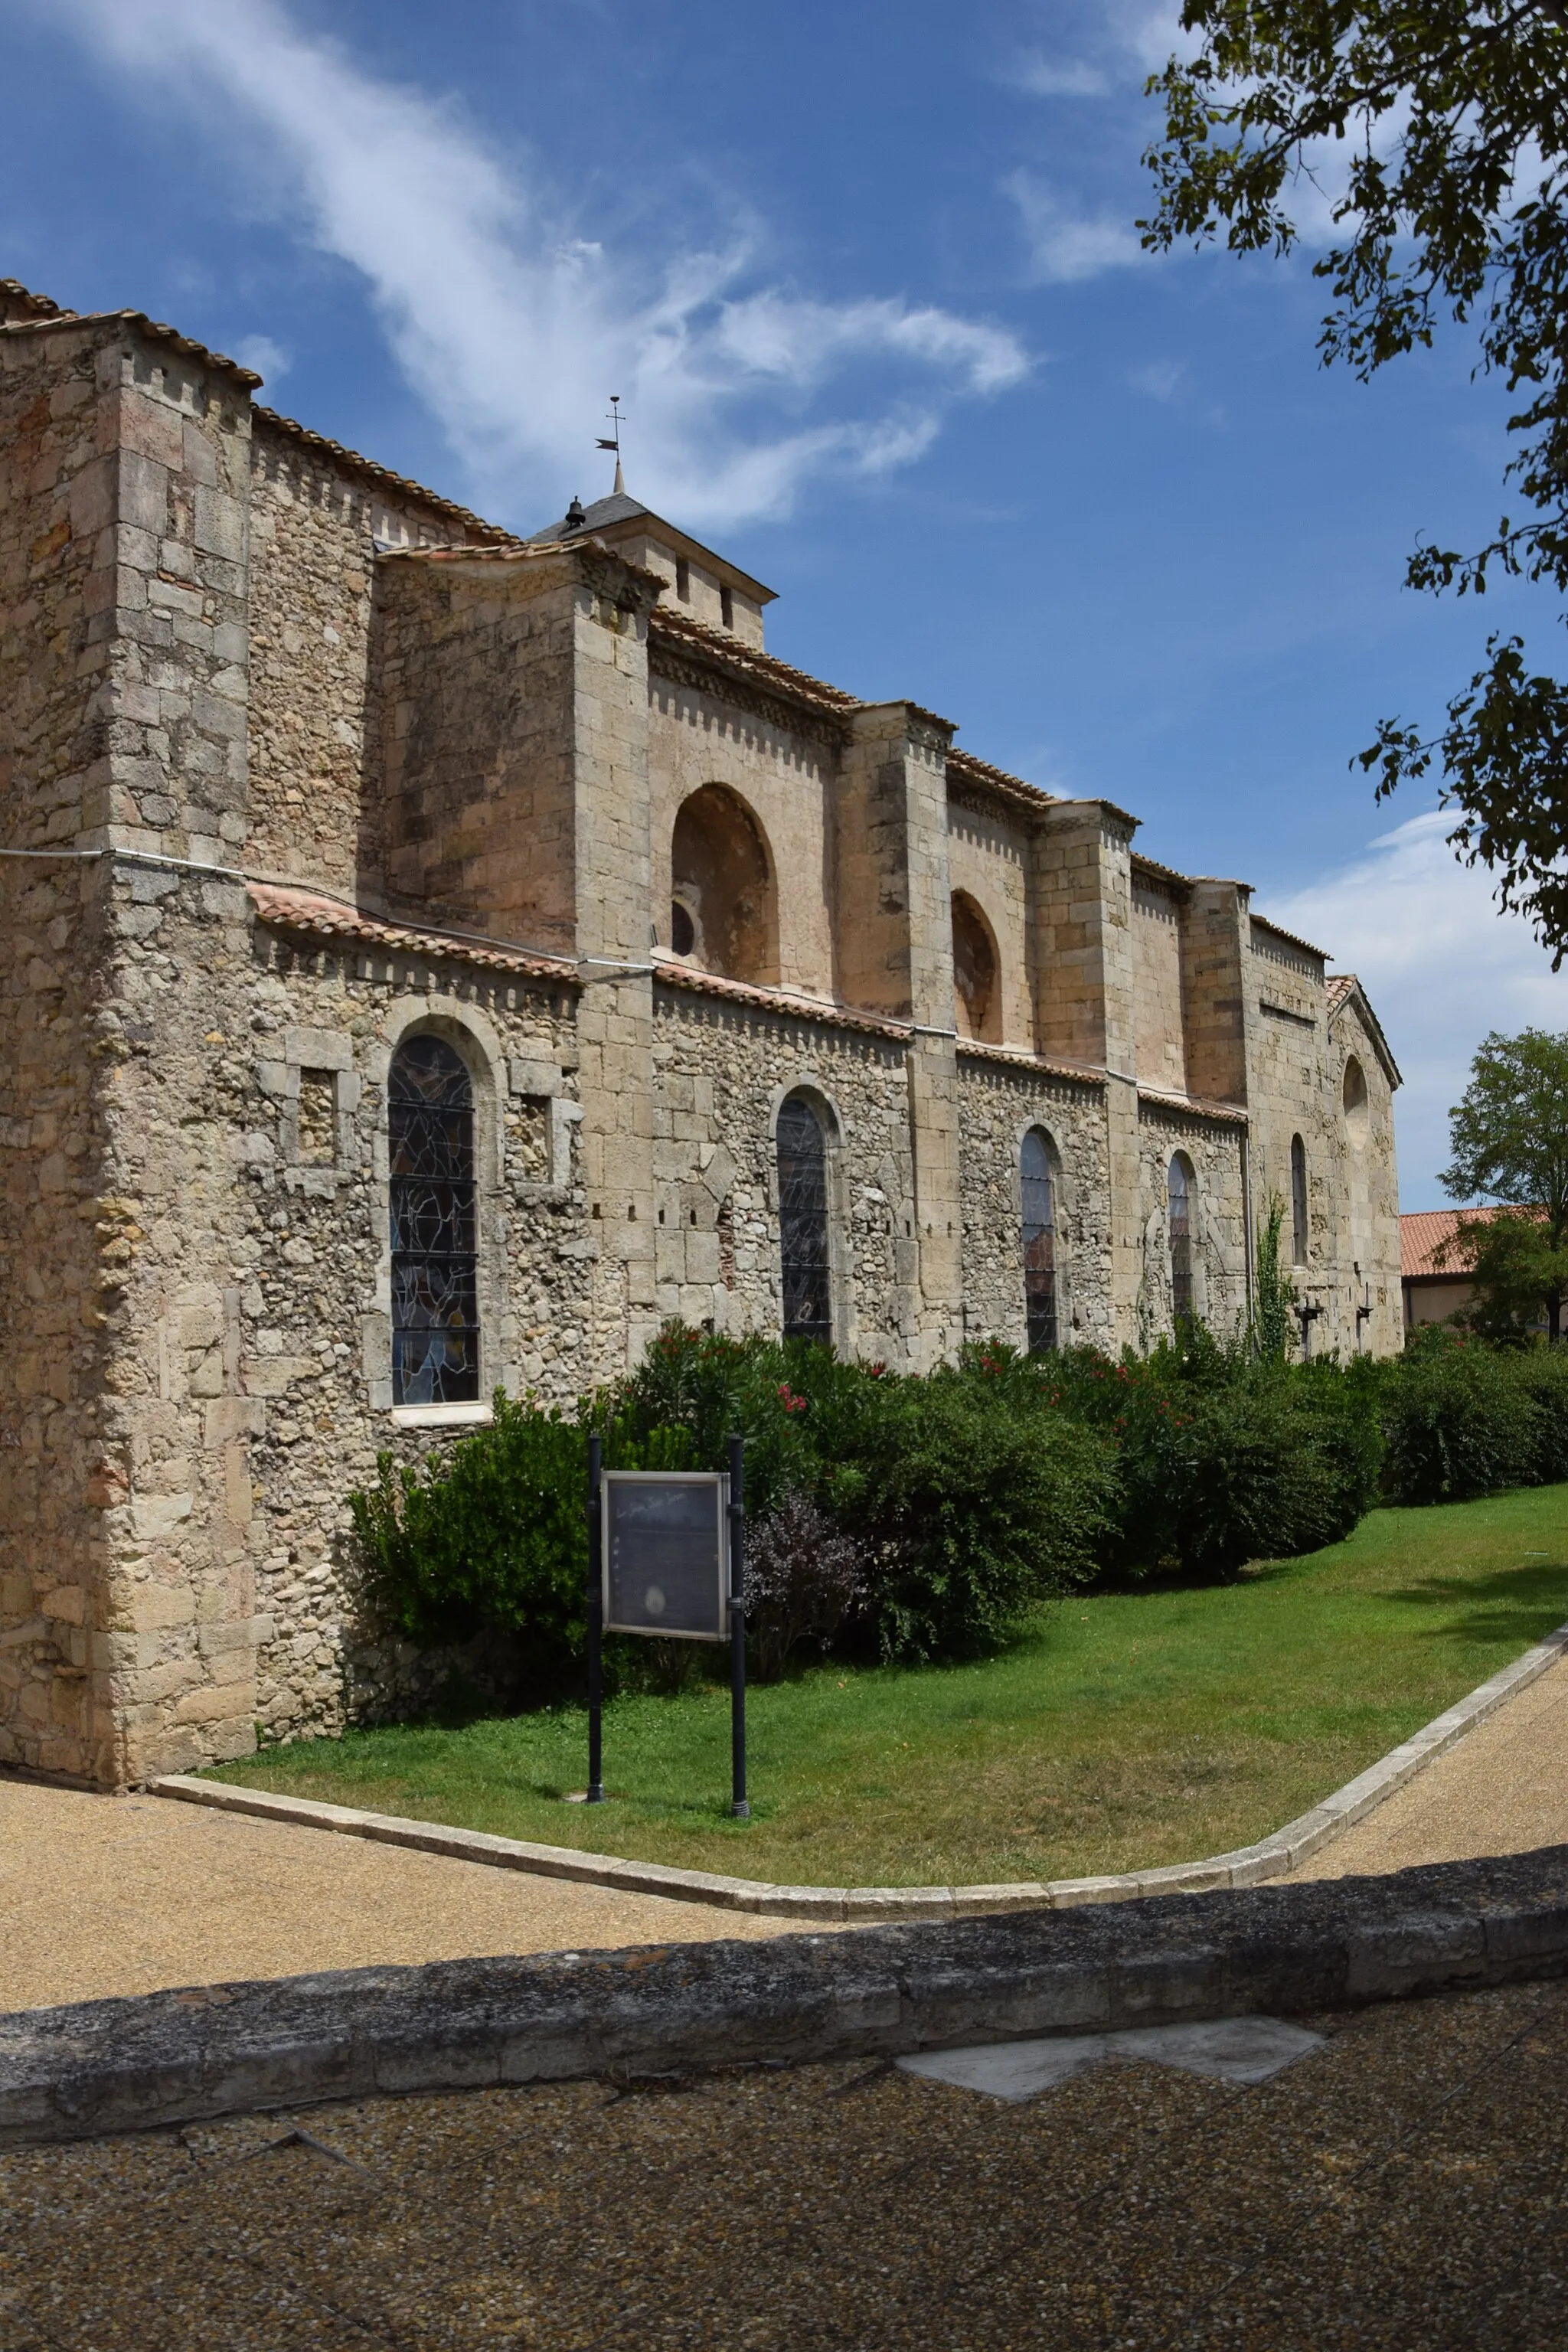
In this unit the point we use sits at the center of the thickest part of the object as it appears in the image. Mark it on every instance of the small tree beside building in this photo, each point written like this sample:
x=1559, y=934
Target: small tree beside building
x=1508, y=1137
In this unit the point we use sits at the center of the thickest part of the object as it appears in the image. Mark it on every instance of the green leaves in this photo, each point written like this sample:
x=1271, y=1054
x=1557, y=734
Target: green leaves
x=1449, y=124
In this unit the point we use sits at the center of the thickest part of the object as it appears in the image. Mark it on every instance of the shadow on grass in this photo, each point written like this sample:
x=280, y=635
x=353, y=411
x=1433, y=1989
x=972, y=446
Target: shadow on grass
x=1517, y=1605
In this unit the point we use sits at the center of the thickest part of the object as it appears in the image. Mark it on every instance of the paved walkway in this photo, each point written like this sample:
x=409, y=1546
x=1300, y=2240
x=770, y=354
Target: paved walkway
x=1503, y=1789
x=102, y=1895
x=1398, y=2189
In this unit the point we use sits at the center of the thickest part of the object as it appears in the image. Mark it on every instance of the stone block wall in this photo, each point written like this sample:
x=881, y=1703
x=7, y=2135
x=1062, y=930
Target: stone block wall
x=785, y=775
x=1159, y=923
x=52, y=928
x=1221, y=1256
x=998, y=1104
x=988, y=856
x=720, y=1072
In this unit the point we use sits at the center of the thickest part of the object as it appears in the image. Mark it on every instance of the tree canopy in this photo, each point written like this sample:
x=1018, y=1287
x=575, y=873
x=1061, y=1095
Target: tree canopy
x=1447, y=122
x=1509, y=1139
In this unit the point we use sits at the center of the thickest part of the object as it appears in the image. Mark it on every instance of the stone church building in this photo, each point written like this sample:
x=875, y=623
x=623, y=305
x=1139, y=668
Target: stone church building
x=431, y=956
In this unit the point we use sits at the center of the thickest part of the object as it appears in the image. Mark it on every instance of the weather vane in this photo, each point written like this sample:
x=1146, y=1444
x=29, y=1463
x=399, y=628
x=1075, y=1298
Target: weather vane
x=615, y=413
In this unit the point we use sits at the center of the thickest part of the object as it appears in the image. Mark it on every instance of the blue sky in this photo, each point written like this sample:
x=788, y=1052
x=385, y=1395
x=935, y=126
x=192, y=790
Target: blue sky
x=868, y=280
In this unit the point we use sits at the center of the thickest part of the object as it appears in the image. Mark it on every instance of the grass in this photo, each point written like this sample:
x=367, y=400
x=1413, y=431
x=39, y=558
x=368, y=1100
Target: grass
x=1128, y=1729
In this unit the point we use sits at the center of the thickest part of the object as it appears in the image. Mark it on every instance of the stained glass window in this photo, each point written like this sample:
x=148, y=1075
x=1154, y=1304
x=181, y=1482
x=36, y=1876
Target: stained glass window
x=1299, y=1234
x=803, y=1222
x=435, y=1292
x=1179, y=1190
x=1040, y=1242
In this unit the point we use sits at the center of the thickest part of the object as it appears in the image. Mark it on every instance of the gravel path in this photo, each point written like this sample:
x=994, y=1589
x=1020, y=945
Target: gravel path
x=1399, y=2190
x=101, y=1896
x=1503, y=1789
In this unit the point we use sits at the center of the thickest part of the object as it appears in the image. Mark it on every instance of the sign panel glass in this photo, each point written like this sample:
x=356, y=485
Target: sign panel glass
x=667, y=1554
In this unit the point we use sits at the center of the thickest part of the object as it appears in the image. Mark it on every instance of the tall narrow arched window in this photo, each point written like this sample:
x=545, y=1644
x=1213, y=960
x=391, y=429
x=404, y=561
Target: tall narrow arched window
x=1179, y=1202
x=1299, y=1230
x=803, y=1222
x=1039, y=1206
x=435, y=1287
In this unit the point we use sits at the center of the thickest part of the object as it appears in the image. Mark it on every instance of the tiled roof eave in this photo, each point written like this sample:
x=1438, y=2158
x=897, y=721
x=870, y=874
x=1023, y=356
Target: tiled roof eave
x=1195, y=1106
x=308, y=914
x=693, y=981
x=1018, y=1057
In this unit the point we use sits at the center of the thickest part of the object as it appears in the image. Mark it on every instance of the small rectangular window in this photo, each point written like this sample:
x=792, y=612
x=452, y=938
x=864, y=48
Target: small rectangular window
x=727, y=607
x=318, y=1118
x=683, y=579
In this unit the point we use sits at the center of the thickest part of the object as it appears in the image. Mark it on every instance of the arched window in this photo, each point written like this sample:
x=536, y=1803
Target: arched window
x=1179, y=1199
x=1299, y=1234
x=976, y=988
x=1039, y=1204
x=435, y=1288
x=723, y=905
x=1353, y=1096
x=803, y=1222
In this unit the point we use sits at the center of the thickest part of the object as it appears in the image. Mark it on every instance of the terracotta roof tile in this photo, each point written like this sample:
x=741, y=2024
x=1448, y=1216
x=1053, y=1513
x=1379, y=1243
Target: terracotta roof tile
x=382, y=474
x=1423, y=1232
x=44, y=316
x=308, y=913
x=778, y=999
x=1263, y=924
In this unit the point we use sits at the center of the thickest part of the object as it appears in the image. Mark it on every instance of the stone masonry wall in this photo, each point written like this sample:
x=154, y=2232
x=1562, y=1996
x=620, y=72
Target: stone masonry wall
x=51, y=929
x=720, y=1072
x=988, y=856
x=255, y=1389
x=313, y=527
x=786, y=778
x=996, y=1105
x=1218, y=1212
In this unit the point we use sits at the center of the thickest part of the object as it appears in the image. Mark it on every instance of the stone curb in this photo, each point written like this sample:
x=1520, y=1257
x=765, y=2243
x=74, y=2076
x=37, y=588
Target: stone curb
x=1248, y=1865
x=172, y=2058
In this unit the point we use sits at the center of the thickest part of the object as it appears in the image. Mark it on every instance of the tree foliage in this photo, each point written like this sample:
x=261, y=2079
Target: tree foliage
x=1509, y=1139
x=1448, y=122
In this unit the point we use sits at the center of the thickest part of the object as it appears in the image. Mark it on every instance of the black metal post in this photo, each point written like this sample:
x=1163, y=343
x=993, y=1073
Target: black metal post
x=596, y=1629
x=740, y=1809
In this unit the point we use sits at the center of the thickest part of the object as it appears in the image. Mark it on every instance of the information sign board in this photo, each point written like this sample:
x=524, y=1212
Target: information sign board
x=665, y=1553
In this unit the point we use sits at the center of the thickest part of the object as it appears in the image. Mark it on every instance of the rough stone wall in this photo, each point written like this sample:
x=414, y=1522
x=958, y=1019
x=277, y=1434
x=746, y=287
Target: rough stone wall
x=988, y=857
x=51, y=928
x=996, y=1105
x=1296, y=1068
x=254, y=1390
x=477, y=678
x=123, y=487
x=1213, y=945
x=720, y=1072
x=60, y=1237
x=1160, y=1025
x=1218, y=1212
x=785, y=777
x=313, y=527
x=1365, y=1264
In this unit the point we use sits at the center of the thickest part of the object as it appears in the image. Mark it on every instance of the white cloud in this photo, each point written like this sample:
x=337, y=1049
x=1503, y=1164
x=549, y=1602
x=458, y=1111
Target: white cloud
x=1043, y=77
x=1442, y=966
x=270, y=360
x=1067, y=247
x=514, y=329
x=1161, y=379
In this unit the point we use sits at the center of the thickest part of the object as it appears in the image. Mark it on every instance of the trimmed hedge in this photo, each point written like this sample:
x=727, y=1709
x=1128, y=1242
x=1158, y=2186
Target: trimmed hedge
x=925, y=1518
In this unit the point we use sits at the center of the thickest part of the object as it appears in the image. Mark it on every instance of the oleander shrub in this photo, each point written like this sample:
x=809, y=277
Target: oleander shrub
x=1463, y=1419
x=925, y=1518
x=491, y=1536
x=1223, y=1456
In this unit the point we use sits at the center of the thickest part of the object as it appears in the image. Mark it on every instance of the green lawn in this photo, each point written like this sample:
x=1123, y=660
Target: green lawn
x=1129, y=1730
